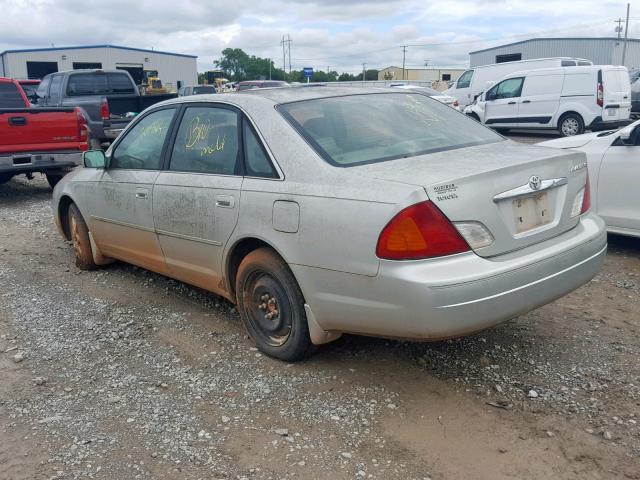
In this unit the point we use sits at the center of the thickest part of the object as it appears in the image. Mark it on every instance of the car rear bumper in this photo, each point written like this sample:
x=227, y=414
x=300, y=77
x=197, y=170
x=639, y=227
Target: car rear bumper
x=599, y=124
x=457, y=295
x=39, y=162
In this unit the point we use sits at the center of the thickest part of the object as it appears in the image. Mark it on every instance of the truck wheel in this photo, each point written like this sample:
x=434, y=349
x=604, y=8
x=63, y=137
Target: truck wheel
x=571, y=124
x=54, y=178
x=271, y=306
x=80, y=238
x=5, y=177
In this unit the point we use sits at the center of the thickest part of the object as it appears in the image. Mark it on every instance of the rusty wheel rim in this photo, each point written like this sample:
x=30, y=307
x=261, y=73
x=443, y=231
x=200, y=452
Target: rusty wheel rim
x=75, y=237
x=268, y=309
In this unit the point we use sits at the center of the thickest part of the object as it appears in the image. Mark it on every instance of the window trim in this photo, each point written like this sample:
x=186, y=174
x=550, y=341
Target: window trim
x=114, y=146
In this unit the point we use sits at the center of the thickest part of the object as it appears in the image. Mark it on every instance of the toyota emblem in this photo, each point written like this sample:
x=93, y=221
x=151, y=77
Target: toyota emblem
x=535, y=182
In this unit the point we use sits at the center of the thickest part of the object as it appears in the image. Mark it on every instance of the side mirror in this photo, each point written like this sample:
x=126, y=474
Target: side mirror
x=94, y=159
x=629, y=134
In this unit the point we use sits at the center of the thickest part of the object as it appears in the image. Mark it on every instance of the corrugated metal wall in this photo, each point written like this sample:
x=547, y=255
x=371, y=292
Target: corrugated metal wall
x=599, y=51
x=171, y=68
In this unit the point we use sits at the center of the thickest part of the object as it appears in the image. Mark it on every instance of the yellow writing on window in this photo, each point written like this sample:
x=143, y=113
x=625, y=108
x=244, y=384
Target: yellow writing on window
x=214, y=147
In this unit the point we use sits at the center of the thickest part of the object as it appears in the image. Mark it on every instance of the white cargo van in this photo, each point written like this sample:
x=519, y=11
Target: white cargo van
x=567, y=99
x=473, y=82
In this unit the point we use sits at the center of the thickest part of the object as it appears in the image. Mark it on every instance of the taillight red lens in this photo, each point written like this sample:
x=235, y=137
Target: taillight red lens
x=104, y=110
x=83, y=132
x=456, y=103
x=419, y=231
x=600, y=98
x=586, y=199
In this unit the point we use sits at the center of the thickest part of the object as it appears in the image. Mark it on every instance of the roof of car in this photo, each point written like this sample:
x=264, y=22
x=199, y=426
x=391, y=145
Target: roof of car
x=294, y=94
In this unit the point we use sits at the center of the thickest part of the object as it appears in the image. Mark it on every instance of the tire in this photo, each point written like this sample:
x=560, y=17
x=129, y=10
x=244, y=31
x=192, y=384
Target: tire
x=54, y=178
x=80, y=237
x=266, y=286
x=571, y=124
x=5, y=177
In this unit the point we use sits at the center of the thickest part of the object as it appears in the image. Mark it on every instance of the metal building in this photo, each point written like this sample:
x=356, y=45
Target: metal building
x=430, y=74
x=601, y=51
x=37, y=62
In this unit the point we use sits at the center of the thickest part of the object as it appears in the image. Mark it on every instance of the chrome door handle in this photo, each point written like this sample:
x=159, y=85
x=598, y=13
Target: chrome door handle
x=142, y=194
x=225, y=201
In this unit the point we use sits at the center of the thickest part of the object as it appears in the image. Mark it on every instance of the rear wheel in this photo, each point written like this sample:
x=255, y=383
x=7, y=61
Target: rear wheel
x=571, y=124
x=54, y=178
x=271, y=306
x=80, y=238
x=5, y=177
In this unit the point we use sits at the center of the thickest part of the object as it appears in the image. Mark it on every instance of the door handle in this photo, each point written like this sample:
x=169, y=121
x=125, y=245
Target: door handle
x=526, y=101
x=142, y=194
x=511, y=103
x=18, y=121
x=225, y=201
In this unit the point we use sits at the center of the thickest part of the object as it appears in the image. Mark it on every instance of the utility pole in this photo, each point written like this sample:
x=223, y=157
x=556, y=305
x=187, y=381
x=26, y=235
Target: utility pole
x=404, y=55
x=364, y=71
x=626, y=31
x=618, y=29
x=286, y=49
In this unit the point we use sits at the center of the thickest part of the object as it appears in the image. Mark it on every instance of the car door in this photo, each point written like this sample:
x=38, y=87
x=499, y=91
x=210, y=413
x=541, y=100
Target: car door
x=539, y=100
x=501, y=103
x=196, y=199
x=618, y=199
x=122, y=204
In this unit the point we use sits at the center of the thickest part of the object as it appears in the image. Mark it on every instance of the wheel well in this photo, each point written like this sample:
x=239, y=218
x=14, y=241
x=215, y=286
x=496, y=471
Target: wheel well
x=569, y=113
x=240, y=250
x=63, y=215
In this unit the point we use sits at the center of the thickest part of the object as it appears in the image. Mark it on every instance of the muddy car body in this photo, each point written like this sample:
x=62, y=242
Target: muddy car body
x=322, y=211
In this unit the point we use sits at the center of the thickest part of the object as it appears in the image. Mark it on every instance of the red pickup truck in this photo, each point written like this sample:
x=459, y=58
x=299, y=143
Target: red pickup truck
x=45, y=140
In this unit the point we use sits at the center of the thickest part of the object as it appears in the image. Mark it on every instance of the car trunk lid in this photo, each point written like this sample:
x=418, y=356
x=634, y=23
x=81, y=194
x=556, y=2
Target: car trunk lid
x=522, y=194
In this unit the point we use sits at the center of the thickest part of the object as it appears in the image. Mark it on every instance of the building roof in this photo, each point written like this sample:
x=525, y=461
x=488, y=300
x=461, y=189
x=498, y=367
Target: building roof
x=542, y=39
x=97, y=46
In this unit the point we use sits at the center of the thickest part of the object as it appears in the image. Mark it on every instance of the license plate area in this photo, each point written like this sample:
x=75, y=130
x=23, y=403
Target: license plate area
x=531, y=212
x=612, y=112
x=22, y=160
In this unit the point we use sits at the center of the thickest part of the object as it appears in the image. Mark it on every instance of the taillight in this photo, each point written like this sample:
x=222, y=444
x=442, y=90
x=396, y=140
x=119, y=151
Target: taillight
x=600, y=97
x=586, y=199
x=419, y=231
x=582, y=200
x=456, y=104
x=104, y=109
x=83, y=130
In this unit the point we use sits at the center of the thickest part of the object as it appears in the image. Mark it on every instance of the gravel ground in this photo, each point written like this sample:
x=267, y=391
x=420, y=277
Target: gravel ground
x=121, y=374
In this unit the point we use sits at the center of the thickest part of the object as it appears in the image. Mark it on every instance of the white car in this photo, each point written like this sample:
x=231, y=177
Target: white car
x=614, y=171
x=436, y=95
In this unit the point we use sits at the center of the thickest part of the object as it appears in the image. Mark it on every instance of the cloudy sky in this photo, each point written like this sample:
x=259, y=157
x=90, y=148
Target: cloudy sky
x=341, y=34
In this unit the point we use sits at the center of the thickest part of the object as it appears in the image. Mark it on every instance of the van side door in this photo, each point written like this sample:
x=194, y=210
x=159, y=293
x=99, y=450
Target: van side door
x=539, y=100
x=502, y=103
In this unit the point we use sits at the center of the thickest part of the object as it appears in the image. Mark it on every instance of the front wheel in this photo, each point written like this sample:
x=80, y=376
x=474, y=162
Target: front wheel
x=80, y=238
x=571, y=124
x=271, y=306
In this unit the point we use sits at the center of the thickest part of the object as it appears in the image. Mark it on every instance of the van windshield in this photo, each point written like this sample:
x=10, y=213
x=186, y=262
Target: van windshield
x=370, y=128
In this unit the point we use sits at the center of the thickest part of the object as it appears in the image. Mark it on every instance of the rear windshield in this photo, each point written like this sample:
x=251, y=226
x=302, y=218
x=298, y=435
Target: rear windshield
x=202, y=90
x=10, y=96
x=99, y=84
x=360, y=129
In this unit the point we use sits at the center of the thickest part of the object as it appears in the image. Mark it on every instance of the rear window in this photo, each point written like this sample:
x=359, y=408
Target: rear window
x=99, y=84
x=203, y=90
x=360, y=129
x=10, y=96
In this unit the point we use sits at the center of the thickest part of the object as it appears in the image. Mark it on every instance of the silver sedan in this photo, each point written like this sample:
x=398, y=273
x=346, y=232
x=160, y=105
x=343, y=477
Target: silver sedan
x=328, y=210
